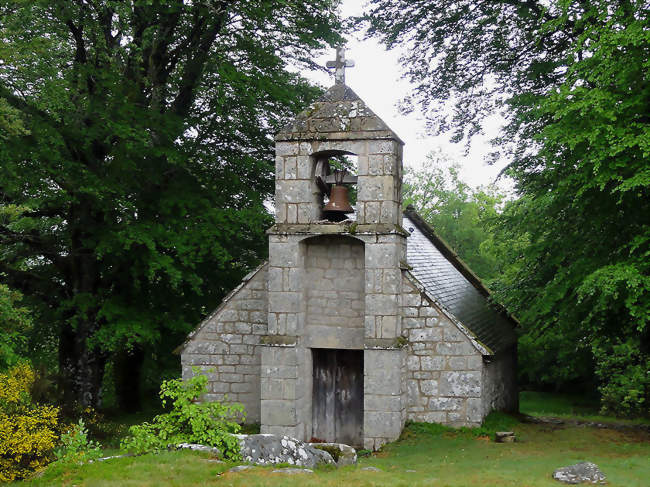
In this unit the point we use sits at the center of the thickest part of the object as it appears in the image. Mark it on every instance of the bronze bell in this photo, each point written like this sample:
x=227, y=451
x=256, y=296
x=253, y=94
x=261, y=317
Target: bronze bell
x=339, y=203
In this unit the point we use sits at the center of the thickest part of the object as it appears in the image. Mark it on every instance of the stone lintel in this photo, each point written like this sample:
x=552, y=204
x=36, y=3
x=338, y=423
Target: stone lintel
x=351, y=135
x=328, y=228
x=384, y=343
x=279, y=340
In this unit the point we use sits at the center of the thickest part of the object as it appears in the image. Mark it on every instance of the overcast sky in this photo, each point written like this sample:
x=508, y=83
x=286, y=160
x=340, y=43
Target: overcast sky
x=376, y=79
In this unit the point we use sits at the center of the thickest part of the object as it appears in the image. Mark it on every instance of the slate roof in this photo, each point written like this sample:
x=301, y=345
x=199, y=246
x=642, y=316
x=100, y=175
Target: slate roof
x=456, y=288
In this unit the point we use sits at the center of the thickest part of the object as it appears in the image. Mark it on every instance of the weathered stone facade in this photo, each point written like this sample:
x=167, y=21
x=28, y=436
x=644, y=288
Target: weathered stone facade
x=226, y=345
x=347, y=287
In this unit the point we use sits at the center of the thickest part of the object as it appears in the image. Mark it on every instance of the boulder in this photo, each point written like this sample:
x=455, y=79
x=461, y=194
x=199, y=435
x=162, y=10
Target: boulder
x=264, y=449
x=342, y=454
x=585, y=472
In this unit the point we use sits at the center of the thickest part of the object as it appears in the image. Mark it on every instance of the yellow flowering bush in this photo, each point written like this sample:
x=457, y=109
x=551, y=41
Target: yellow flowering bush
x=27, y=431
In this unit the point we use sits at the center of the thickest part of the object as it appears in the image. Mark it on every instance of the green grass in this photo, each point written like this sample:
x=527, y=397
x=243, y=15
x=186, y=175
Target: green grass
x=438, y=455
x=567, y=406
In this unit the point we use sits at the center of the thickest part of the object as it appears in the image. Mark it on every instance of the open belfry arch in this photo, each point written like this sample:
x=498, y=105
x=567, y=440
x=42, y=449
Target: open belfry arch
x=344, y=333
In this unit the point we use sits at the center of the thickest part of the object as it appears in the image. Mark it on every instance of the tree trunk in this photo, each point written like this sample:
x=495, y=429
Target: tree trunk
x=81, y=368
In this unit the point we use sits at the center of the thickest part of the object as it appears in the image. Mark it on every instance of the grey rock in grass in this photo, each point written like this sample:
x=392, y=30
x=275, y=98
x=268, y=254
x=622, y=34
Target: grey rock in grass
x=264, y=449
x=585, y=472
x=292, y=471
x=240, y=468
x=197, y=447
x=371, y=469
x=505, y=437
x=342, y=454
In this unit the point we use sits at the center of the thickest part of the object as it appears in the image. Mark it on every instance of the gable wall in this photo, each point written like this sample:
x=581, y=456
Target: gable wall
x=226, y=346
x=444, y=369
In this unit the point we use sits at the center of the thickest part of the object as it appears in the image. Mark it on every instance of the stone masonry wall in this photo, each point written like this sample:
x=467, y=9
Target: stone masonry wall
x=379, y=197
x=334, y=289
x=444, y=368
x=226, y=346
x=500, y=391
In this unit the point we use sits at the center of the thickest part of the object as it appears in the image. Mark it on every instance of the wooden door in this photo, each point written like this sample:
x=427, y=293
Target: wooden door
x=338, y=396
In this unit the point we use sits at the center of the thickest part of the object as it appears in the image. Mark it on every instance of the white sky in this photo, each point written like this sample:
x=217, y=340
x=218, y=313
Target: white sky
x=376, y=79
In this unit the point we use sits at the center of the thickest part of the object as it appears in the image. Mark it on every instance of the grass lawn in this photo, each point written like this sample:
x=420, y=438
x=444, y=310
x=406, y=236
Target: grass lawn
x=567, y=406
x=425, y=455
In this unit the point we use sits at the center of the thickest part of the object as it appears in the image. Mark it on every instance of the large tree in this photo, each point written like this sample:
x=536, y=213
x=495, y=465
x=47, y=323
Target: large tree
x=571, y=77
x=134, y=199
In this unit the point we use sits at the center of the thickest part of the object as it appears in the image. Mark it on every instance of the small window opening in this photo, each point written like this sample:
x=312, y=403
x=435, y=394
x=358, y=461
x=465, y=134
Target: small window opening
x=336, y=176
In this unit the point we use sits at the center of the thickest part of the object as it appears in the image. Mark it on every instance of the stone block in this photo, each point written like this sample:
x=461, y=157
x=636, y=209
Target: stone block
x=287, y=148
x=285, y=302
x=432, y=417
x=383, y=424
x=413, y=362
x=374, y=402
x=381, y=304
x=290, y=168
x=382, y=147
x=411, y=299
x=283, y=254
x=475, y=362
x=278, y=413
x=456, y=363
x=425, y=335
x=231, y=377
x=455, y=348
x=427, y=311
x=389, y=327
x=460, y=384
x=372, y=212
x=206, y=348
x=271, y=388
x=362, y=165
x=304, y=167
x=429, y=387
x=376, y=165
x=446, y=403
x=432, y=363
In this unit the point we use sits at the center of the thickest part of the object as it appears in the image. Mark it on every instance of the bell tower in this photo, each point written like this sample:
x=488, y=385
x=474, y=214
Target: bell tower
x=332, y=363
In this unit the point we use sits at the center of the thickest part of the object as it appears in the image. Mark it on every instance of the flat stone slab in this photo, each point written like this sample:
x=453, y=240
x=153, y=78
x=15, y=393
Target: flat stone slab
x=371, y=469
x=342, y=454
x=292, y=471
x=197, y=447
x=264, y=449
x=585, y=472
x=240, y=468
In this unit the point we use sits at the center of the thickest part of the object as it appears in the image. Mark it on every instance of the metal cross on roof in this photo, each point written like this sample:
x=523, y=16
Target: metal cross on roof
x=340, y=64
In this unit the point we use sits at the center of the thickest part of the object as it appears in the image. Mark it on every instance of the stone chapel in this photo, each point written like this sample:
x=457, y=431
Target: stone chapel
x=353, y=327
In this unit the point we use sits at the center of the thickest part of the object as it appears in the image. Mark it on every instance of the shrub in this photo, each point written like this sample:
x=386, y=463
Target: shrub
x=624, y=371
x=189, y=421
x=27, y=430
x=76, y=447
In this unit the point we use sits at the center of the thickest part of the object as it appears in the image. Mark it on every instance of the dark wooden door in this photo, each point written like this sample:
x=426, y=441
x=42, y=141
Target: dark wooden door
x=338, y=396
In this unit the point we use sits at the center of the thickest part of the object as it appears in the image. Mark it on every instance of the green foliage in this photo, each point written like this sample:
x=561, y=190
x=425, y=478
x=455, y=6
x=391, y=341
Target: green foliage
x=15, y=323
x=189, y=421
x=461, y=215
x=28, y=431
x=571, y=79
x=77, y=447
x=137, y=192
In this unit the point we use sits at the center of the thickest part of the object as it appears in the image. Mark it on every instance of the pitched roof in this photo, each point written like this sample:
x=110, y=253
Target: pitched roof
x=455, y=287
x=338, y=114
